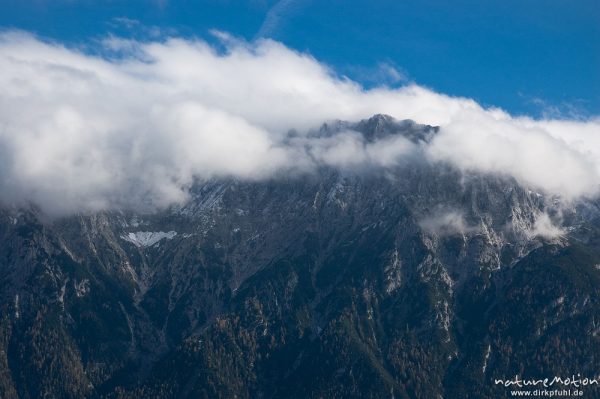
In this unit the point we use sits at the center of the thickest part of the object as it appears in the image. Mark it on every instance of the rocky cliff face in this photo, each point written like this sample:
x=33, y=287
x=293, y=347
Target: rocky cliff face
x=418, y=281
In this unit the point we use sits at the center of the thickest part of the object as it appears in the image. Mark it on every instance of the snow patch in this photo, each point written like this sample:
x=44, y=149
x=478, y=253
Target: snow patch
x=17, y=309
x=393, y=273
x=81, y=287
x=147, y=238
x=486, y=358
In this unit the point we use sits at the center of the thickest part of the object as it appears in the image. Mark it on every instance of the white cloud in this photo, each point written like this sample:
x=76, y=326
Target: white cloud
x=543, y=227
x=349, y=149
x=446, y=222
x=81, y=132
x=558, y=157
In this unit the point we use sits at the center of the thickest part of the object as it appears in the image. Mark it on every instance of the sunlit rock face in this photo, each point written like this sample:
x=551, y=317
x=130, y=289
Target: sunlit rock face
x=413, y=280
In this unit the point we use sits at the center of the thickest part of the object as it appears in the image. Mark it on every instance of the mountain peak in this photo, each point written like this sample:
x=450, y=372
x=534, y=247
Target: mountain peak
x=381, y=126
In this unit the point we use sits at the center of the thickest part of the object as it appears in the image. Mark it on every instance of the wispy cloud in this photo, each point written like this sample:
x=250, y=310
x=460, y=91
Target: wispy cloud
x=276, y=17
x=135, y=29
x=384, y=73
x=544, y=227
x=85, y=132
x=446, y=222
x=574, y=110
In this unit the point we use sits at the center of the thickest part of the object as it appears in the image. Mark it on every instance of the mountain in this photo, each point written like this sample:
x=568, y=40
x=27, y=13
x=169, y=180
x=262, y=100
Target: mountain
x=414, y=281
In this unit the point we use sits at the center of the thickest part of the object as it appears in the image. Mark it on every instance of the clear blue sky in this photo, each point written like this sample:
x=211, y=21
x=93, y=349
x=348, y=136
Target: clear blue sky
x=526, y=56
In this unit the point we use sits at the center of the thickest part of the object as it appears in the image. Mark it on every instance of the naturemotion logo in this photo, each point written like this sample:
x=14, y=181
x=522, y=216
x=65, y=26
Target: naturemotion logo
x=559, y=386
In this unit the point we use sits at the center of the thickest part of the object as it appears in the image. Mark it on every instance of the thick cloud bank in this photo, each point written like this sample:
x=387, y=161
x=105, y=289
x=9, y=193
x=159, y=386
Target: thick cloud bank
x=83, y=132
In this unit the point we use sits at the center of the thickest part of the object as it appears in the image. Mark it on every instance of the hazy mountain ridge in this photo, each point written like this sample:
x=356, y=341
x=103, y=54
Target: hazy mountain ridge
x=419, y=281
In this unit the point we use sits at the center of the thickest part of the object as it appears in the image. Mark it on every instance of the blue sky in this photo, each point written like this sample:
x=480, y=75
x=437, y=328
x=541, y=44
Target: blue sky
x=536, y=57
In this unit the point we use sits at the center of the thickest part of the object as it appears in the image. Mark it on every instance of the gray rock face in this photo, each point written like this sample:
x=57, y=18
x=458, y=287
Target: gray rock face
x=413, y=281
